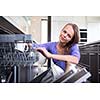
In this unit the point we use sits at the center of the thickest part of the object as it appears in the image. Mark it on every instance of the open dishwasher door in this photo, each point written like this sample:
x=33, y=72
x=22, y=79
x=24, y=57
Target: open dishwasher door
x=80, y=76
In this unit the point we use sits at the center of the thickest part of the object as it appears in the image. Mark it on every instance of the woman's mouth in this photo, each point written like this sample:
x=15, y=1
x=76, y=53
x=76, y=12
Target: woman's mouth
x=62, y=38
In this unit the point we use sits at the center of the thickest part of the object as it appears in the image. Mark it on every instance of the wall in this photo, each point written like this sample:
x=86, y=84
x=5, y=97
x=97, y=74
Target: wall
x=93, y=25
x=93, y=30
x=59, y=21
x=32, y=25
x=28, y=25
x=35, y=27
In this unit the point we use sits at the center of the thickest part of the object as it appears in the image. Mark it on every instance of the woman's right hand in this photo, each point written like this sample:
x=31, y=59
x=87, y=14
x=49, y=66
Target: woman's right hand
x=44, y=52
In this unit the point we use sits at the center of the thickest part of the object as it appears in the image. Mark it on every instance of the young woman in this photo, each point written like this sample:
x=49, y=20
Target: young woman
x=64, y=51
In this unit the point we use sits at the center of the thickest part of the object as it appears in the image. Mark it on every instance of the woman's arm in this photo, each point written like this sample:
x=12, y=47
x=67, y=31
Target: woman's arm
x=69, y=58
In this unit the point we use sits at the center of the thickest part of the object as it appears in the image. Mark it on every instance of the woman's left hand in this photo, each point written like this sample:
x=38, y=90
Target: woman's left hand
x=44, y=52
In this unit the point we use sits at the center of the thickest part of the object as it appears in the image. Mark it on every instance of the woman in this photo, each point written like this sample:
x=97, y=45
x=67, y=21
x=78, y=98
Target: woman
x=66, y=49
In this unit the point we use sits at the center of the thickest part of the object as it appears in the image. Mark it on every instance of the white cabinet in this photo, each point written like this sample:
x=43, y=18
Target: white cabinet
x=93, y=32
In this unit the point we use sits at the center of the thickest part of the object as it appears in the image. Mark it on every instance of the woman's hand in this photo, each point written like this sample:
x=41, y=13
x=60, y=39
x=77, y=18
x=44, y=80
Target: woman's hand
x=44, y=52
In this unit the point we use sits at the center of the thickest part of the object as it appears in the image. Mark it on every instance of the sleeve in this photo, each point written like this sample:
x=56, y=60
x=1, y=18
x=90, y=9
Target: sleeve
x=45, y=45
x=75, y=51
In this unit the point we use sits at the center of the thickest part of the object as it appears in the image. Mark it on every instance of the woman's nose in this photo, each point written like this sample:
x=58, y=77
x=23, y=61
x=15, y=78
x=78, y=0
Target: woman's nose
x=65, y=34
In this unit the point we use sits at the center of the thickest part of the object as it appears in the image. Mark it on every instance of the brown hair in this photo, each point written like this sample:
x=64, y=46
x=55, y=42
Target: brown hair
x=75, y=38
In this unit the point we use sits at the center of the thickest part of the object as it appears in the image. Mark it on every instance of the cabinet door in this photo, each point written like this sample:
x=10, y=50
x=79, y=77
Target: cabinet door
x=93, y=32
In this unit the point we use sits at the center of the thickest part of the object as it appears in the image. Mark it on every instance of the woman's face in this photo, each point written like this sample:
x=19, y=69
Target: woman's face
x=66, y=34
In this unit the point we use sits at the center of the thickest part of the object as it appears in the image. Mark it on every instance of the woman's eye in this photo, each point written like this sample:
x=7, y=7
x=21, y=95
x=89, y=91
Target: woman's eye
x=69, y=36
x=64, y=31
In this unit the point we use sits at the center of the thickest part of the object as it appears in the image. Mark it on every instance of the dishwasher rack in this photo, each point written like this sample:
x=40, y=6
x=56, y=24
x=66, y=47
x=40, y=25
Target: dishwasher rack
x=12, y=58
